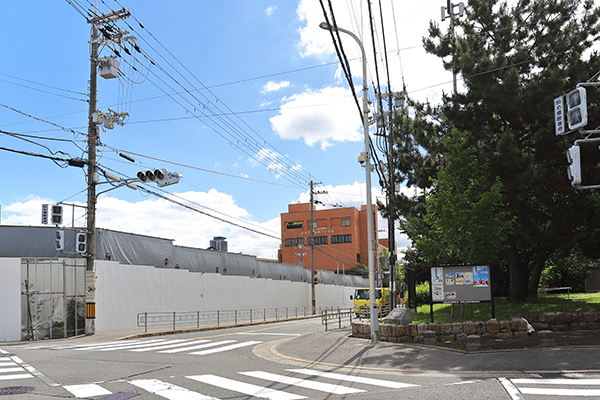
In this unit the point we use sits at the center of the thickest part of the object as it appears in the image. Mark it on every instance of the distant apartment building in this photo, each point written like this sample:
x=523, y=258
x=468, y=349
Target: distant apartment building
x=219, y=243
x=340, y=237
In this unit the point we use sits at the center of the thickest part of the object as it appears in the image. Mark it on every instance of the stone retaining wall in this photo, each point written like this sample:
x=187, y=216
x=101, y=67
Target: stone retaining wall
x=515, y=328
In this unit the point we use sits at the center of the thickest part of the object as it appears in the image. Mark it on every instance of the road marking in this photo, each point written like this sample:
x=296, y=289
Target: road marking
x=200, y=346
x=89, y=390
x=268, y=334
x=288, y=380
x=245, y=388
x=225, y=348
x=169, y=391
x=146, y=344
x=170, y=346
x=511, y=389
x=561, y=392
x=33, y=373
x=355, y=379
x=109, y=346
x=558, y=381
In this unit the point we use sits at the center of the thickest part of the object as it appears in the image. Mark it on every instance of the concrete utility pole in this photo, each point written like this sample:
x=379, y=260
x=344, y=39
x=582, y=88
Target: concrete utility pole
x=92, y=176
x=312, y=245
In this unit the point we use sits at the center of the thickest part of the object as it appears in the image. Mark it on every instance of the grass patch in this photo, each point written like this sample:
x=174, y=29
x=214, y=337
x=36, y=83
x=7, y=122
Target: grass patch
x=545, y=304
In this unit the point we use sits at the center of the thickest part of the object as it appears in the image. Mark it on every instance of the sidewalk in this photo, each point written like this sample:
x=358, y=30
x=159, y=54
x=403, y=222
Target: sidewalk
x=337, y=348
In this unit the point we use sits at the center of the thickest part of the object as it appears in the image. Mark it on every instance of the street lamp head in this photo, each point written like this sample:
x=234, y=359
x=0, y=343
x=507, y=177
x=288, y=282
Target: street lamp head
x=326, y=26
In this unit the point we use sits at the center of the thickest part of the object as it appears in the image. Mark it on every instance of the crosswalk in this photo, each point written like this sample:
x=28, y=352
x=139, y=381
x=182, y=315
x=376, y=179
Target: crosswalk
x=197, y=347
x=259, y=384
x=554, y=387
x=11, y=367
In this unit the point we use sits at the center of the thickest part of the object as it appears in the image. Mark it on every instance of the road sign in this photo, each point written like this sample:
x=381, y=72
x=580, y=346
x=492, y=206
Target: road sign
x=559, y=116
x=44, y=214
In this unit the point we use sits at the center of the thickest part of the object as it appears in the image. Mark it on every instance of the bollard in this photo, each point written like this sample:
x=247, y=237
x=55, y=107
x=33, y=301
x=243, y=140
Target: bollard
x=430, y=337
x=545, y=339
x=473, y=343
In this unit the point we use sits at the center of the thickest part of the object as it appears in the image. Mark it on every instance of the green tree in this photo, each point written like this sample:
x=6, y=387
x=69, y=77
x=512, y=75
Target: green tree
x=464, y=221
x=513, y=62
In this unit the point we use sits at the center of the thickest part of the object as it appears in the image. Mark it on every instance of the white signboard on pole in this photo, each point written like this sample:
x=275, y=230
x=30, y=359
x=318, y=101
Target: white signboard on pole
x=559, y=116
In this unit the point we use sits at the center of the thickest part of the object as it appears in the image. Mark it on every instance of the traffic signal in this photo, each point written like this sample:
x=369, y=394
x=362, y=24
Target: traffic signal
x=577, y=108
x=162, y=177
x=574, y=170
x=81, y=242
x=57, y=215
x=59, y=241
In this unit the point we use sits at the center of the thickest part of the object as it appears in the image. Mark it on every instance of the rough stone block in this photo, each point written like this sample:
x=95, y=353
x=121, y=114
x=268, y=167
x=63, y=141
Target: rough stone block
x=461, y=337
x=504, y=335
x=385, y=330
x=417, y=338
x=590, y=317
x=411, y=329
x=532, y=318
x=446, y=329
x=404, y=339
x=559, y=327
x=399, y=330
x=487, y=335
x=447, y=338
x=400, y=316
x=421, y=328
x=593, y=325
x=554, y=319
x=577, y=317
x=435, y=327
x=577, y=326
x=520, y=334
x=457, y=327
x=518, y=325
x=492, y=326
x=540, y=326
x=469, y=327
x=479, y=327
x=504, y=326
x=542, y=318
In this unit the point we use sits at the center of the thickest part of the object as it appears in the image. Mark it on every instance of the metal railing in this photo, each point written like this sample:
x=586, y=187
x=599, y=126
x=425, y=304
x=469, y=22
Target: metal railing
x=204, y=319
x=338, y=316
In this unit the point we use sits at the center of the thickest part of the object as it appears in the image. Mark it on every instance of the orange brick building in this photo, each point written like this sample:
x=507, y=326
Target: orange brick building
x=340, y=237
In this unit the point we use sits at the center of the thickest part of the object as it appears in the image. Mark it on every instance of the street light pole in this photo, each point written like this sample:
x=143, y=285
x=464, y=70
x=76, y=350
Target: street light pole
x=371, y=255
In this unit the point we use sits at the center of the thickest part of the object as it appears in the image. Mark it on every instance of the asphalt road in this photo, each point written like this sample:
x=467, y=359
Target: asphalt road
x=280, y=361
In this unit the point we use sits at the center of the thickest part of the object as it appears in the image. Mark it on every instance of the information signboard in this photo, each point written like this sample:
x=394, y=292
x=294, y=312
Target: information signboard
x=461, y=284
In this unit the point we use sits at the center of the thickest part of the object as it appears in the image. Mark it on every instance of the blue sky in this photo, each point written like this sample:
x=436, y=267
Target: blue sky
x=245, y=99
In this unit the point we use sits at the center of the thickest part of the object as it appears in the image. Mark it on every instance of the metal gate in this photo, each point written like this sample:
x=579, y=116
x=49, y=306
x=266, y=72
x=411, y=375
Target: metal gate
x=52, y=298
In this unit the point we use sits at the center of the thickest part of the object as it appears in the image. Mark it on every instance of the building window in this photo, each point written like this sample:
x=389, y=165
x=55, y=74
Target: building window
x=345, y=222
x=294, y=225
x=358, y=257
x=341, y=239
x=318, y=240
x=291, y=242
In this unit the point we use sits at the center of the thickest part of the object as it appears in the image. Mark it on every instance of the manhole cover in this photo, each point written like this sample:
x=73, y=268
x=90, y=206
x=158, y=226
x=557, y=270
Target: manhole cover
x=119, y=396
x=15, y=390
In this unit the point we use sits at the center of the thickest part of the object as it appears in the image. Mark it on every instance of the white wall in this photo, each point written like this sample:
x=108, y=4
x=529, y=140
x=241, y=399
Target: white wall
x=123, y=291
x=10, y=299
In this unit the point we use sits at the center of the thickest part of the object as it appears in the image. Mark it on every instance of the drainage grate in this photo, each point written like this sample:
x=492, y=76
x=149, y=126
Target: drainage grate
x=15, y=390
x=119, y=396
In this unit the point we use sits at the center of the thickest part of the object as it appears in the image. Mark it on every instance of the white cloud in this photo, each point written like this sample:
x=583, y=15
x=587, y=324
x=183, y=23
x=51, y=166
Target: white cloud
x=25, y=212
x=270, y=10
x=274, y=86
x=319, y=117
x=423, y=73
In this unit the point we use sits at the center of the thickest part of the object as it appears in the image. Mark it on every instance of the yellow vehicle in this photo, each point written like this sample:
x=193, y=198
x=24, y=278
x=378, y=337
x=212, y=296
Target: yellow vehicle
x=362, y=301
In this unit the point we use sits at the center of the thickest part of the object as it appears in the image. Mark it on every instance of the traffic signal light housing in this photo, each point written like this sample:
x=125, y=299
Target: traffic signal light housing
x=577, y=108
x=57, y=215
x=59, y=240
x=162, y=177
x=81, y=242
x=574, y=169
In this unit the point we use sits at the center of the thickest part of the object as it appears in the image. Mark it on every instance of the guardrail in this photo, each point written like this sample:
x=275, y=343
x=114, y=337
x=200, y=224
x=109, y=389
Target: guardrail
x=336, y=315
x=197, y=319
x=554, y=289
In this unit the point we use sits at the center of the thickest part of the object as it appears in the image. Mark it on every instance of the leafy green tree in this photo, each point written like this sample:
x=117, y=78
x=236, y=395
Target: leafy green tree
x=513, y=60
x=465, y=221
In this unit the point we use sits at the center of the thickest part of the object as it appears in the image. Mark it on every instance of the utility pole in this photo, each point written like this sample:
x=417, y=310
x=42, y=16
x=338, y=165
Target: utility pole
x=312, y=244
x=92, y=176
x=450, y=10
